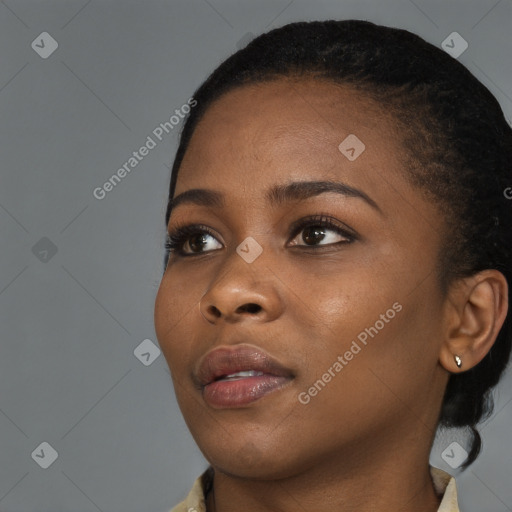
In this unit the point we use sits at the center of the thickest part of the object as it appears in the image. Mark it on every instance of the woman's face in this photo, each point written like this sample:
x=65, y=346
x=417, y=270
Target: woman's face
x=327, y=301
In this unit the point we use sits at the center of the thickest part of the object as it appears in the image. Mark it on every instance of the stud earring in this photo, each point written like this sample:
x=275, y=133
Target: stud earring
x=458, y=361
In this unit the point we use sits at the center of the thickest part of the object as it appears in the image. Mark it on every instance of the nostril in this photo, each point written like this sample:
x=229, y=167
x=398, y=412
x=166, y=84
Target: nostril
x=214, y=311
x=249, y=308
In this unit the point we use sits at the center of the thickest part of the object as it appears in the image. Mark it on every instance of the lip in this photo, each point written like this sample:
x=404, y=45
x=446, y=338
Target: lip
x=220, y=362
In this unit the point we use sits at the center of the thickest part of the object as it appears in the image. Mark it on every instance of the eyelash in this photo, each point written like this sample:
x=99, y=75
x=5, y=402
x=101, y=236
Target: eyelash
x=176, y=239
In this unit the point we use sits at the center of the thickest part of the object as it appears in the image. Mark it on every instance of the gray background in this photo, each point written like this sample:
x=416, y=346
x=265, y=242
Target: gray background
x=70, y=321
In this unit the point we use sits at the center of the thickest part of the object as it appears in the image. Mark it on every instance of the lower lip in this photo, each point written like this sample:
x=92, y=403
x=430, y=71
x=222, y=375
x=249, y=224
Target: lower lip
x=241, y=392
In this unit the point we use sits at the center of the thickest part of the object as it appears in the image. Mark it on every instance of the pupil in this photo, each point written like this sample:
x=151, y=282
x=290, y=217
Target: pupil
x=197, y=237
x=310, y=233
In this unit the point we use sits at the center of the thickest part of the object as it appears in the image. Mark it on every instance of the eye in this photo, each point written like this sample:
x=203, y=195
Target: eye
x=320, y=230
x=196, y=239
x=191, y=240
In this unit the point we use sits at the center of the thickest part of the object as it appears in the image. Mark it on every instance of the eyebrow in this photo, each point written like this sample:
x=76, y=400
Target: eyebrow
x=278, y=194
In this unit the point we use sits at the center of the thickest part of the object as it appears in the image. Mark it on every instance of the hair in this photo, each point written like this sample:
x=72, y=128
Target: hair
x=457, y=150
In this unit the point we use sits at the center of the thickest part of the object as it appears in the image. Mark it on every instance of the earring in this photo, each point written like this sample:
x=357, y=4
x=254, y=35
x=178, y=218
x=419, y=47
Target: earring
x=458, y=361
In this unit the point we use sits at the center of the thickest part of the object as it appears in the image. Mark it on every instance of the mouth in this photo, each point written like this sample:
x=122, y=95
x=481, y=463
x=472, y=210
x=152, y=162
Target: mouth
x=238, y=376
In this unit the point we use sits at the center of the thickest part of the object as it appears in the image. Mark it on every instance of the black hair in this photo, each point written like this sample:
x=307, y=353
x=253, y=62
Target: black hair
x=457, y=146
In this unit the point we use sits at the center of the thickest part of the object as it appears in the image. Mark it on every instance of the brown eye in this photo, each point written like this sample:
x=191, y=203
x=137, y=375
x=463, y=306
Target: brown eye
x=320, y=233
x=191, y=240
x=196, y=242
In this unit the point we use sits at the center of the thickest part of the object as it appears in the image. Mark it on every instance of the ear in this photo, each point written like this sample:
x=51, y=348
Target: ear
x=475, y=310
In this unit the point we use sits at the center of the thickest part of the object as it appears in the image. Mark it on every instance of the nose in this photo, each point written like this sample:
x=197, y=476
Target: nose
x=242, y=291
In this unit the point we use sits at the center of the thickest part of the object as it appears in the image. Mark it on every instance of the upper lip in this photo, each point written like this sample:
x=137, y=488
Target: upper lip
x=227, y=360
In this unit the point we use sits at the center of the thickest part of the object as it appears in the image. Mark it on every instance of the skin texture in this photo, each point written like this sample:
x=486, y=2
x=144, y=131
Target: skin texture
x=363, y=442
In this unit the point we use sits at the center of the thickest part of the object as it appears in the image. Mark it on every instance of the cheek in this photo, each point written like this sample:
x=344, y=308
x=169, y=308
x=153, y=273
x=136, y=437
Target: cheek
x=372, y=317
x=176, y=309
x=341, y=299
x=370, y=370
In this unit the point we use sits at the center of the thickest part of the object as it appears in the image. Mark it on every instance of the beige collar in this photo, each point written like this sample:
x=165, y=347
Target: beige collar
x=444, y=484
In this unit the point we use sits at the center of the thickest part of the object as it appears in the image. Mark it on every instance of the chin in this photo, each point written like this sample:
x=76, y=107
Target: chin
x=268, y=468
x=251, y=456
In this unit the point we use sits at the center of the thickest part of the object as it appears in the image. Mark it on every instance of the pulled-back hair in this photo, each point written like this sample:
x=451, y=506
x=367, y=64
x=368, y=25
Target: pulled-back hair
x=457, y=151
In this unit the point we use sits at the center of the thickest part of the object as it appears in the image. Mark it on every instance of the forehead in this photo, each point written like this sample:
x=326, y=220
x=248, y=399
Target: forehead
x=289, y=125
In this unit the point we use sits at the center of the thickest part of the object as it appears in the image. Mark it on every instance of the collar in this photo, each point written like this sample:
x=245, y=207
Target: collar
x=444, y=485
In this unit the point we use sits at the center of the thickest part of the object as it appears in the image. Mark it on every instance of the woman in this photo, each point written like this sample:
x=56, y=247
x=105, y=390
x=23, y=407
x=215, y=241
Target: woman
x=336, y=283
